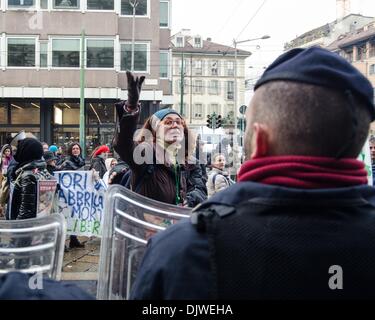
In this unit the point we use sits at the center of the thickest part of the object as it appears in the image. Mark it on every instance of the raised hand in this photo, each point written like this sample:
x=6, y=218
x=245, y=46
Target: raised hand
x=134, y=90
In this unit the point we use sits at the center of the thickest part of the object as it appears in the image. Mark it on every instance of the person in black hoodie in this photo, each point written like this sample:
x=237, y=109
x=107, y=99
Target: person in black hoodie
x=30, y=169
x=73, y=161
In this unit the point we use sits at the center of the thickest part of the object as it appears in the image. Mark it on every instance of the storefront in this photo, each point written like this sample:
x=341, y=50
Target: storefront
x=57, y=121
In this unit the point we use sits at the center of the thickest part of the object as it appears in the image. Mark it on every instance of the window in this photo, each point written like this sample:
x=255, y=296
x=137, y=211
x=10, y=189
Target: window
x=65, y=53
x=25, y=112
x=179, y=42
x=100, y=53
x=372, y=69
x=3, y=113
x=66, y=113
x=21, y=52
x=215, y=108
x=198, y=86
x=185, y=67
x=230, y=90
x=44, y=4
x=361, y=52
x=43, y=54
x=164, y=64
x=164, y=14
x=100, y=113
x=214, y=87
x=197, y=42
x=66, y=4
x=198, y=67
x=140, y=57
x=198, y=111
x=100, y=5
x=214, y=68
x=21, y=3
x=230, y=68
x=140, y=10
x=372, y=48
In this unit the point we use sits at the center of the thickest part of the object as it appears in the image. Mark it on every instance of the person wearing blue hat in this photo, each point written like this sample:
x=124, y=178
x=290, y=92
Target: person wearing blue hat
x=159, y=155
x=300, y=223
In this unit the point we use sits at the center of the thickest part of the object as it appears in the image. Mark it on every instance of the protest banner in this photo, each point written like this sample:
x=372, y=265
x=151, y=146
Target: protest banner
x=46, y=195
x=81, y=201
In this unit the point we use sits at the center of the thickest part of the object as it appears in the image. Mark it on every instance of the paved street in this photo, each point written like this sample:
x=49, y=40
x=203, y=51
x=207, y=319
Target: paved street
x=80, y=266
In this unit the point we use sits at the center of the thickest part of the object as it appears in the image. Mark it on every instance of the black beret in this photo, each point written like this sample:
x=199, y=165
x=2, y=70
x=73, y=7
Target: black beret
x=320, y=67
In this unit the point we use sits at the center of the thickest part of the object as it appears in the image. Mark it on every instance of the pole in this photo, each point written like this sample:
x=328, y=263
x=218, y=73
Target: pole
x=191, y=88
x=134, y=4
x=182, y=85
x=235, y=141
x=82, y=129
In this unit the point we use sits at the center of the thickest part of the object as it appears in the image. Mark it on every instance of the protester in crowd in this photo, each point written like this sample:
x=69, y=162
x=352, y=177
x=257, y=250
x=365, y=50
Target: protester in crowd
x=218, y=178
x=73, y=161
x=45, y=146
x=31, y=168
x=5, y=159
x=53, y=149
x=110, y=163
x=171, y=174
x=50, y=160
x=98, y=159
x=117, y=173
x=300, y=224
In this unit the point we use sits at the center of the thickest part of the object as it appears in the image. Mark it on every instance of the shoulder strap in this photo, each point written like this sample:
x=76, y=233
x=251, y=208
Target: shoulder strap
x=214, y=178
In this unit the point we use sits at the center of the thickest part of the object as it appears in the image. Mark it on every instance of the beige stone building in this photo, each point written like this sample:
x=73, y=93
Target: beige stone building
x=42, y=51
x=208, y=76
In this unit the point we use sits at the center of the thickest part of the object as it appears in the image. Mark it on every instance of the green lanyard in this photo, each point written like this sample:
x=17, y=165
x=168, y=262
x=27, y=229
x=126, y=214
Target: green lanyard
x=177, y=183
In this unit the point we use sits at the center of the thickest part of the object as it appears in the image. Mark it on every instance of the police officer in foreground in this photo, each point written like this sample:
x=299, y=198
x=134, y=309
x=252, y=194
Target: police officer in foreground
x=300, y=224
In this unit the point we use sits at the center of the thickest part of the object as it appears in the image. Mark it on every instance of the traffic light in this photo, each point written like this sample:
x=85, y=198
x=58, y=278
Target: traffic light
x=218, y=121
x=209, y=121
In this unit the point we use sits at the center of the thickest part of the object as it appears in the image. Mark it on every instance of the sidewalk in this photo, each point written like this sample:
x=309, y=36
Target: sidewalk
x=82, y=263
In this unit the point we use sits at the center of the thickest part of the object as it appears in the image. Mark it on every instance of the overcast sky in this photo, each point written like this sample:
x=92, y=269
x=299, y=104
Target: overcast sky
x=283, y=20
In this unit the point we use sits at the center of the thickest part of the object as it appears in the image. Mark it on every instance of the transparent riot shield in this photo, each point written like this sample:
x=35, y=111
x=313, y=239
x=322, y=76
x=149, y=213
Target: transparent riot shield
x=33, y=245
x=129, y=221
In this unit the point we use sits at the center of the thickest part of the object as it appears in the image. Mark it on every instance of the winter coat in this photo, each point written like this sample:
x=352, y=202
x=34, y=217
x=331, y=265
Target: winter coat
x=217, y=181
x=98, y=163
x=25, y=193
x=160, y=184
x=72, y=163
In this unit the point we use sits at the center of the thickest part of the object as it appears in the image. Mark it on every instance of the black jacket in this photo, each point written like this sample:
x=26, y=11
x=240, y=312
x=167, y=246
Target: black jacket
x=25, y=193
x=279, y=243
x=98, y=164
x=72, y=163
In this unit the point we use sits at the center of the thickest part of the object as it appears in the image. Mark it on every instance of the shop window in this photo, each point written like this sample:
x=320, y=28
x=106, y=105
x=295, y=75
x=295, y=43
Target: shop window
x=25, y=112
x=66, y=113
x=100, y=113
x=3, y=114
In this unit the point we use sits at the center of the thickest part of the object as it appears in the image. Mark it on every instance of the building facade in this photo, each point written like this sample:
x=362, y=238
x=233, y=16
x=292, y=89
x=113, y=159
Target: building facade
x=208, y=76
x=44, y=44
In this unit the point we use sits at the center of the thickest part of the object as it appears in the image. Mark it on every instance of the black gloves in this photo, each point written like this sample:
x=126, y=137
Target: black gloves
x=134, y=90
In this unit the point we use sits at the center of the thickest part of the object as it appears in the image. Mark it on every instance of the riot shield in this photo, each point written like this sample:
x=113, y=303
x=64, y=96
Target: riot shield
x=33, y=245
x=129, y=221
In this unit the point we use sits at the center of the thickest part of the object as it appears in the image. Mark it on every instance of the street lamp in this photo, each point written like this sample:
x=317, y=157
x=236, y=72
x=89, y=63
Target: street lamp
x=134, y=4
x=235, y=43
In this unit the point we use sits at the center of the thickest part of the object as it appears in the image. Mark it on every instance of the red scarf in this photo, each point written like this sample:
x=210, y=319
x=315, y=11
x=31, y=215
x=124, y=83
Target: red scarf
x=304, y=172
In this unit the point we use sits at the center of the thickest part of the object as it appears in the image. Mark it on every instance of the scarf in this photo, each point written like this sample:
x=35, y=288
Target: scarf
x=304, y=172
